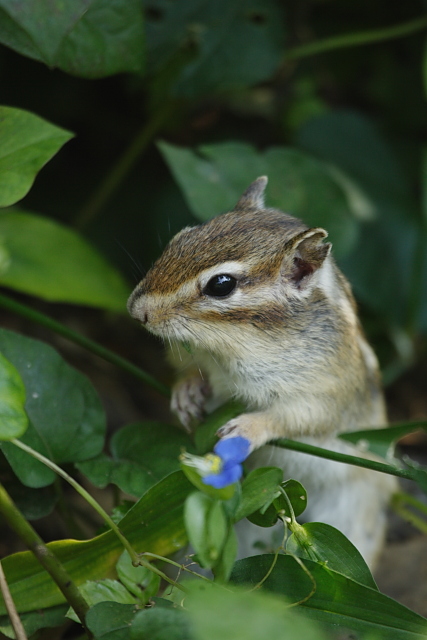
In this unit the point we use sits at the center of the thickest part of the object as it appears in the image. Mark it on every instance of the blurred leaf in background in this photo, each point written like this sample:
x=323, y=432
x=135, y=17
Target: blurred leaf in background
x=89, y=38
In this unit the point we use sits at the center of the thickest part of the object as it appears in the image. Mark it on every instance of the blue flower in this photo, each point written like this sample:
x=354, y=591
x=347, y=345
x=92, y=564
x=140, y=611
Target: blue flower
x=224, y=466
x=231, y=452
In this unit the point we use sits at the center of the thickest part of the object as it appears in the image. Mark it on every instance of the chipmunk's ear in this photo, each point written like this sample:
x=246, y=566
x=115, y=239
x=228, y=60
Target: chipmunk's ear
x=253, y=197
x=304, y=255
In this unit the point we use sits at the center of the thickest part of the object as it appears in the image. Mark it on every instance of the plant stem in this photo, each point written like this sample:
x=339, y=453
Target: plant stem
x=343, y=457
x=135, y=558
x=44, y=555
x=371, y=36
x=85, y=495
x=86, y=343
x=15, y=620
x=115, y=176
x=182, y=567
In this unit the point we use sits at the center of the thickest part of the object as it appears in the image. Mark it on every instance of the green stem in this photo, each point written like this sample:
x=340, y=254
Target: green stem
x=135, y=558
x=115, y=176
x=343, y=457
x=289, y=503
x=356, y=39
x=44, y=555
x=175, y=564
x=86, y=343
x=93, y=503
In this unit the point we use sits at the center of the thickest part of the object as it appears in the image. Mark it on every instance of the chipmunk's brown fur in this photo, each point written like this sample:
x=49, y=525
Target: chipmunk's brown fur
x=286, y=340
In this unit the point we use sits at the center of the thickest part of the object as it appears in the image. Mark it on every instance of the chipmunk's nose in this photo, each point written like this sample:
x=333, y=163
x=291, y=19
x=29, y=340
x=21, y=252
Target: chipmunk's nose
x=136, y=307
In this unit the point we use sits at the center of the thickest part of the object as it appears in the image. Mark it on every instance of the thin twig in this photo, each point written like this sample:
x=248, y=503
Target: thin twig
x=44, y=555
x=371, y=36
x=15, y=620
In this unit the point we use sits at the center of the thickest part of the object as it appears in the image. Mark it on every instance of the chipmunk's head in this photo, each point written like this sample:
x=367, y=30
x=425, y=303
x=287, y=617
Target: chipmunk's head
x=239, y=268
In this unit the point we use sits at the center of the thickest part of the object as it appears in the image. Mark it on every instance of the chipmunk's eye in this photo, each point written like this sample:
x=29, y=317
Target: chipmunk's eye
x=220, y=286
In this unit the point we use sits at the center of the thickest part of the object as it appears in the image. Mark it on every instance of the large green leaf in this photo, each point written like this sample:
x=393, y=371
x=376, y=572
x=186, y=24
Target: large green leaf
x=110, y=620
x=321, y=542
x=232, y=44
x=161, y=623
x=67, y=422
x=44, y=258
x=27, y=142
x=213, y=178
x=353, y=143
x=142, y=454
x=107, y=590
x=154, y=524
x=35, y=620
x=89, y=38
x=231, y=615
x=13, y=419
x=336, y=600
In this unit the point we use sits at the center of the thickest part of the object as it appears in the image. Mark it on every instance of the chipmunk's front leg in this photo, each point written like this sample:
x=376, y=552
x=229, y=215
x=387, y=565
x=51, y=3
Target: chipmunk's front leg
x=189, y=396
x=258, y=427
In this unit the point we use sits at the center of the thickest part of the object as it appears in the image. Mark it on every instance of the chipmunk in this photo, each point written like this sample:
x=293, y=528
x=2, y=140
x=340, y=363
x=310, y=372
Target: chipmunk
x=271, y=320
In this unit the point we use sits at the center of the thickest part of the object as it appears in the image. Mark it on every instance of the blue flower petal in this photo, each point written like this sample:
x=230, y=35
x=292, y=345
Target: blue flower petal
x=229, y=475
x=233, y=449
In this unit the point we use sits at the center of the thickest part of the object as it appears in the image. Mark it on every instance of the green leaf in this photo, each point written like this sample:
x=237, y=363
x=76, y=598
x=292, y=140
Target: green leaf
x=32, y=503
x=337, y=601
x=206, y=527
x=160, y=623
x=297, y=496
x=224, y=566
x=142, y=454
x=140, y=581
x=230, y=615
x=381, y=442
x=32, y=622
x=214, y=177
x=44, y=258
x=154, y=524
x=102, y=591
x=205, y=436
x=27, y=142
x=13, y=419
x=355, y=145
x=259, y=489
x=67, y=422
x=110, y=620
x=322, y=543
x=218, y=61
x=88, y=38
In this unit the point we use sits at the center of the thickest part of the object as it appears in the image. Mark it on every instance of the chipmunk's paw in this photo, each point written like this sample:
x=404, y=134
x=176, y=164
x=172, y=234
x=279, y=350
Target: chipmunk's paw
x=251, y=426
x=189, y=396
